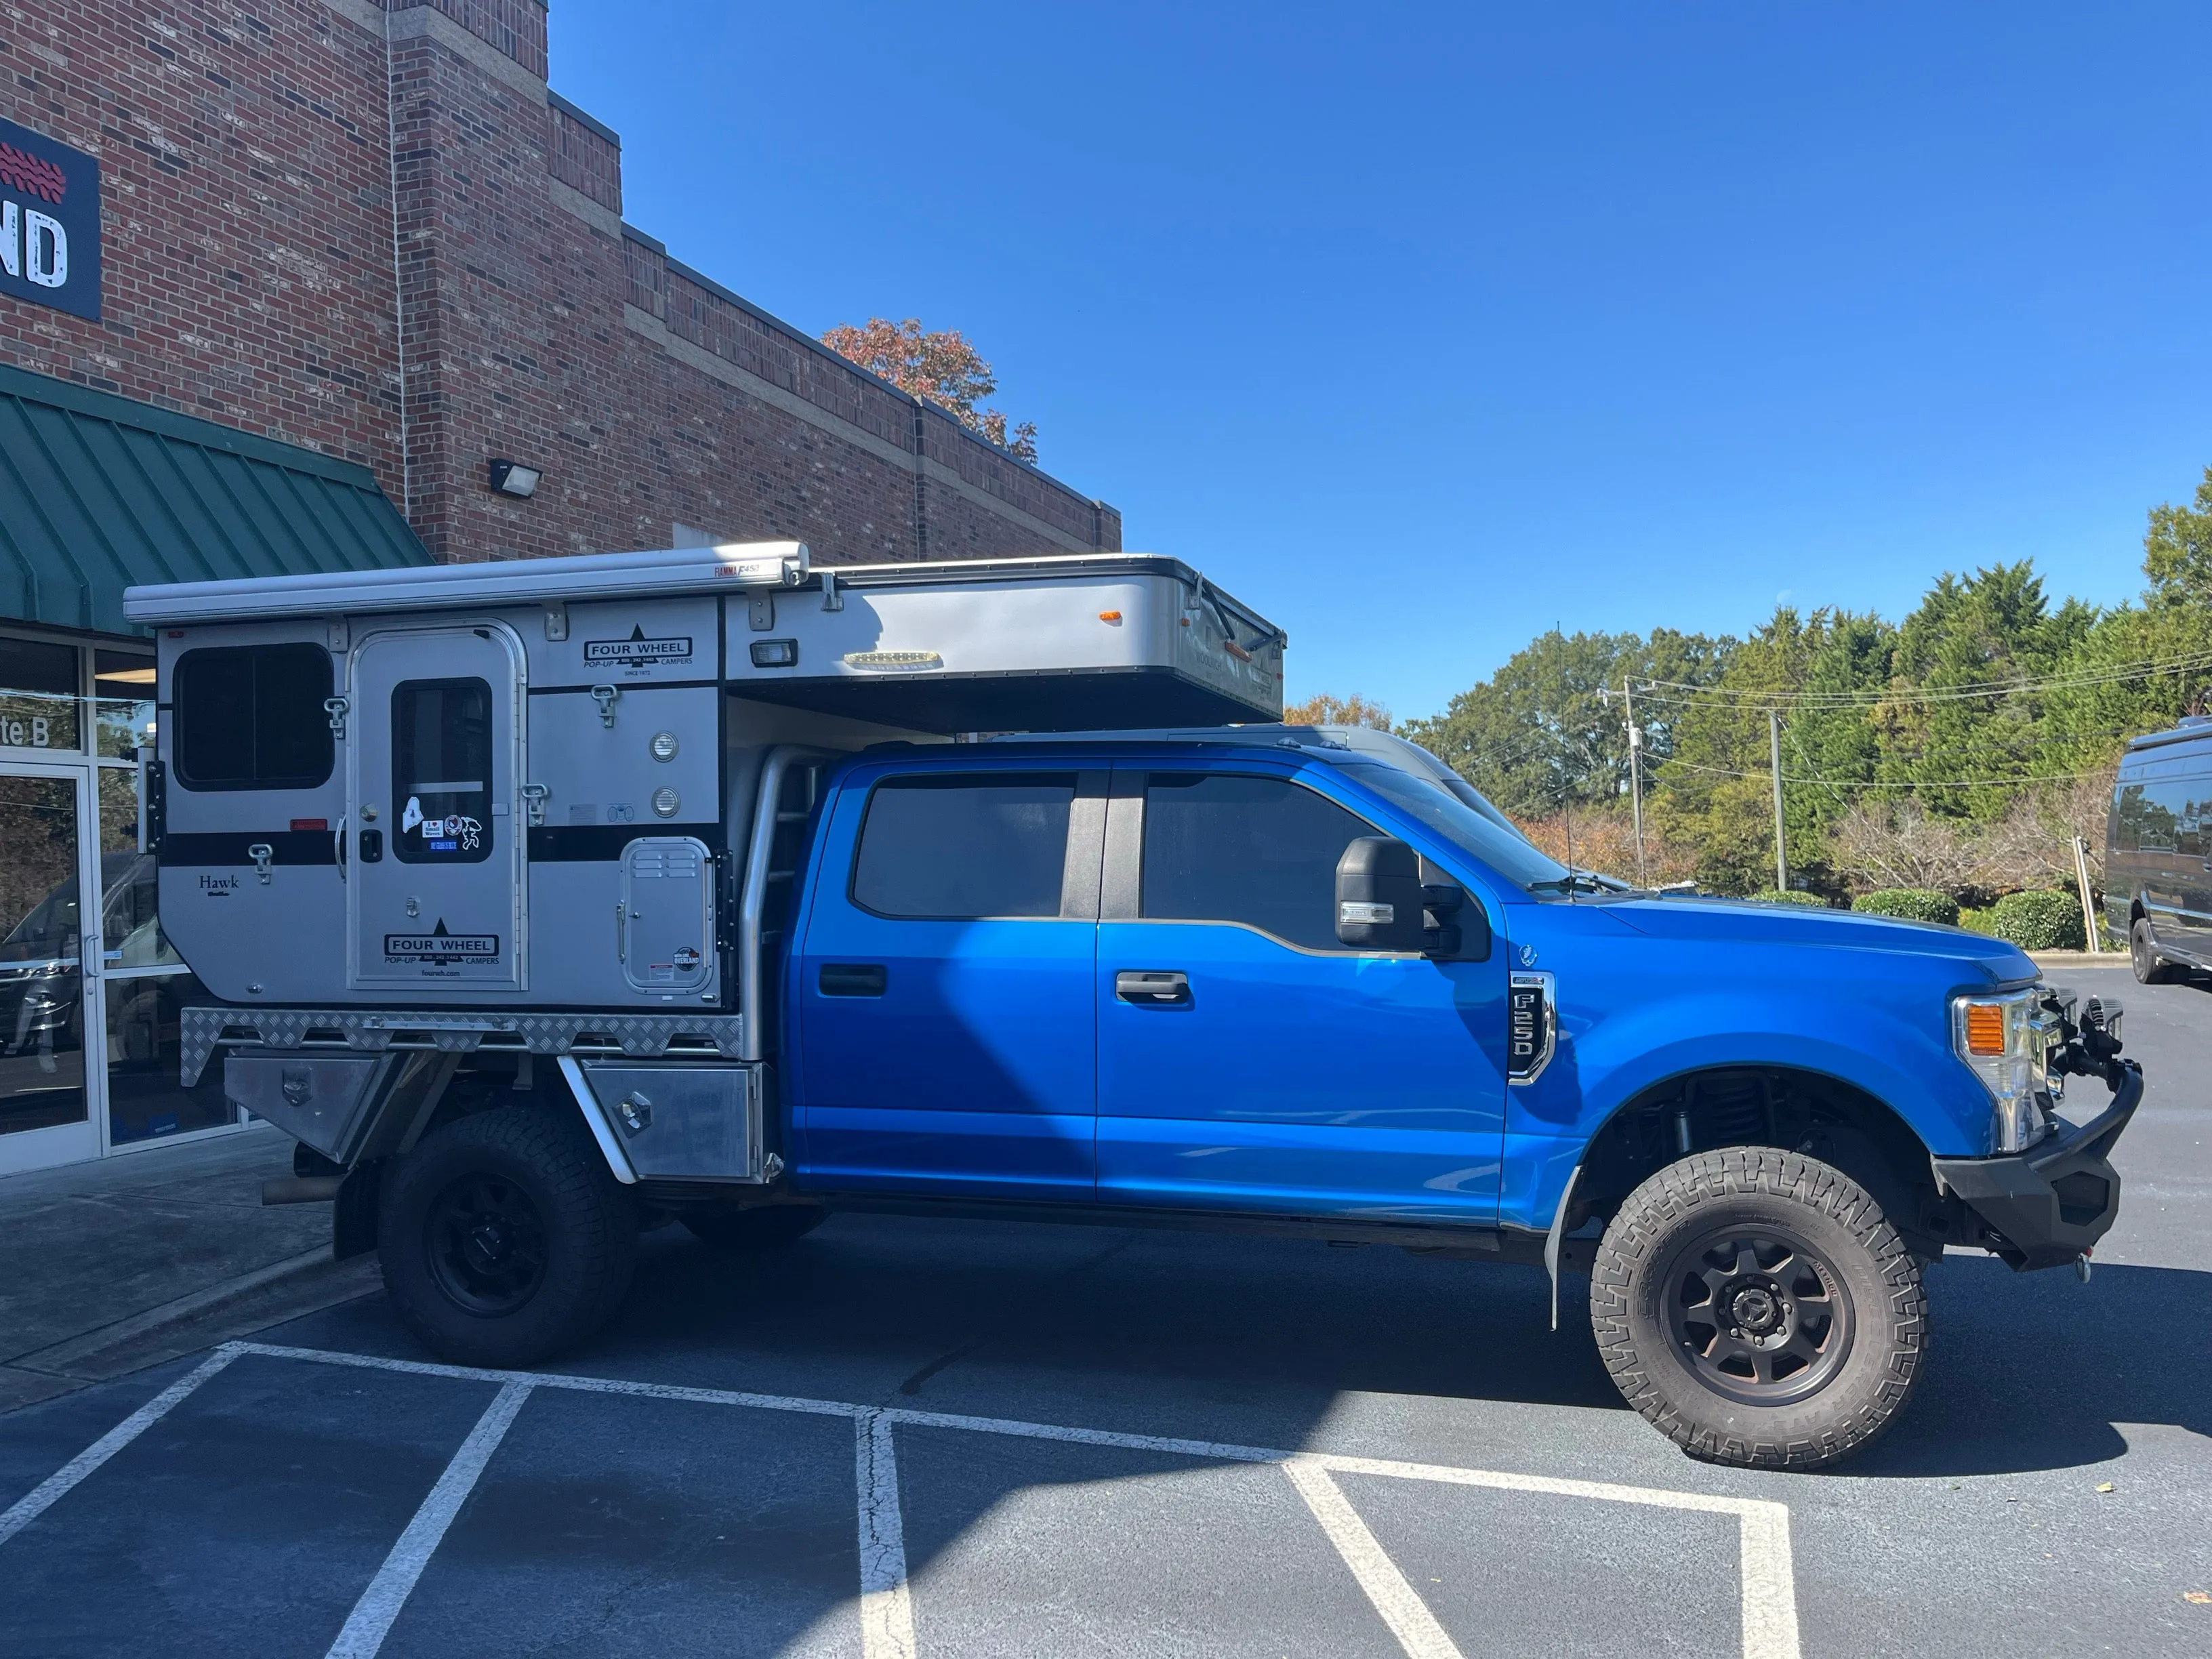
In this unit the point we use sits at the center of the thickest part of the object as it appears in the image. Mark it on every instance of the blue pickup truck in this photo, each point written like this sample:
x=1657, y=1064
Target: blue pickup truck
x=1291, y=979
x=1276, y=982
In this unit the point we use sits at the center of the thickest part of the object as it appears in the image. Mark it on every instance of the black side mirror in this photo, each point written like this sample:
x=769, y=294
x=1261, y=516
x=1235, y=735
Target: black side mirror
x=1453, y=930
x=1379, y=896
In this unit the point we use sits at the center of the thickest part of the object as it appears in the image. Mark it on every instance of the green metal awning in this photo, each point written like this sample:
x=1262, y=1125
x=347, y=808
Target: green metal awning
x=98, y=493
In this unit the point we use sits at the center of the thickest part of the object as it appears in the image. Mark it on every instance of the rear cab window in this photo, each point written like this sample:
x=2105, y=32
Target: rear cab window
x=965, y=848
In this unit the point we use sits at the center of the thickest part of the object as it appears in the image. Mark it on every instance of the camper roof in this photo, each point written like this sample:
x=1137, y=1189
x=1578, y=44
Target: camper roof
x=641, y=575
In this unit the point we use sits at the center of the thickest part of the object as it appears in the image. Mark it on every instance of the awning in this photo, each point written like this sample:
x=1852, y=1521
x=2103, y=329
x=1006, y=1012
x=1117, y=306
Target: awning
x=98, y=493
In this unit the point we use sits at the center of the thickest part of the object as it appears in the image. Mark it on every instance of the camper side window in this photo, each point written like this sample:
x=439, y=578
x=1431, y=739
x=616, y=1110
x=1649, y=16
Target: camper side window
x=251, y=717
x=441, y=770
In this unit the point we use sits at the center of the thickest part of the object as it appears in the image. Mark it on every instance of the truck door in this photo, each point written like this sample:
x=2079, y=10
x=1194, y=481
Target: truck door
x=1248, y=1061
x=943, y=993
x=434, y=896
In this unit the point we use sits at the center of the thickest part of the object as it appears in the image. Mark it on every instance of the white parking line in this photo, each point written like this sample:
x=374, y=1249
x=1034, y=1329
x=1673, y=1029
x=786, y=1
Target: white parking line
x=30, y=1507
x=370, y=1621
x=1400, y=1604
x=886, y=1608
x=1769, y=1595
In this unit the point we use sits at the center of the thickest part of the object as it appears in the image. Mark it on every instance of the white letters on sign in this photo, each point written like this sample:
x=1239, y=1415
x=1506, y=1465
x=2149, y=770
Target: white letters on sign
x=45, y=249
x=24, y=734
x=11, y=239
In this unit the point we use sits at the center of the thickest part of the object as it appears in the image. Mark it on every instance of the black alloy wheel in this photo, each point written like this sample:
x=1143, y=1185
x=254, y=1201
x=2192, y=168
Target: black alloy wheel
x=485, y=1244
x=1757, y=1316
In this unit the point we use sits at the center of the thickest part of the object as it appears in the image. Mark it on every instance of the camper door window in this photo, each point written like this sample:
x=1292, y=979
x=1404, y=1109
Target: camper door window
x=441, y=770
x=251, y=717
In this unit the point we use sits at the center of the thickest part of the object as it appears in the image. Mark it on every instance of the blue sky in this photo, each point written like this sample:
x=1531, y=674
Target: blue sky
x=1425, y=327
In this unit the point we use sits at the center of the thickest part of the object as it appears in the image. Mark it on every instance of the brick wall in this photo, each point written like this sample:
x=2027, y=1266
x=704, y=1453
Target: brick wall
x=259, y=157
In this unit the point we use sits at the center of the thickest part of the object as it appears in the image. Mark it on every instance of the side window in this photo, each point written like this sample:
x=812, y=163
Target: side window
x=964, y=848
x=2187, y=803
x=442, y=770
x=251, y=717
x=1260, y=851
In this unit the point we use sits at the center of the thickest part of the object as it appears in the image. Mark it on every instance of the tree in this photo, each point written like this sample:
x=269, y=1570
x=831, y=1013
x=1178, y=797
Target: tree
x=940, y=364
x=1322, y=709
x=1537, y=735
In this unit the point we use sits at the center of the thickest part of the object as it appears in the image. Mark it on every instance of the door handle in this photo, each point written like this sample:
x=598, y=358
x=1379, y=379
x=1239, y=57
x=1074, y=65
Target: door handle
x=853, y=979
x=1150, y=989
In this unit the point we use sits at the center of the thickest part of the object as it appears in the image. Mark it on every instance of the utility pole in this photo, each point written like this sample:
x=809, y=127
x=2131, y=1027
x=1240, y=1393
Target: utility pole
x=1781, y=848
x=1635, y=772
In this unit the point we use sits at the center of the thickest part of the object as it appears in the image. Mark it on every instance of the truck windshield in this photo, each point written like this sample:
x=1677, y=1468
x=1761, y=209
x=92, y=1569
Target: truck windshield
x=1485, y=835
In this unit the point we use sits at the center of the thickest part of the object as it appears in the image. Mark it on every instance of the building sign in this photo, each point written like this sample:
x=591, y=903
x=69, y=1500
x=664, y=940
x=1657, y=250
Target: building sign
x=49, y=222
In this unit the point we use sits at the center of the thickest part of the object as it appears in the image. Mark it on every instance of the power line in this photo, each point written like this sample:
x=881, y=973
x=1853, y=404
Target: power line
x=1746, y=698
x=1847, y=783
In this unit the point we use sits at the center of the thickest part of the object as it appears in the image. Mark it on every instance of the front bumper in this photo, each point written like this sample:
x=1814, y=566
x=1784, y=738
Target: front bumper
x=2044, y=1207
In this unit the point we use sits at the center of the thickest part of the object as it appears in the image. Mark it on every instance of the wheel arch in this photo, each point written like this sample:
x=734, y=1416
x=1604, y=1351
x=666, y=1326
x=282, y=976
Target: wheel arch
x=1795, y=1107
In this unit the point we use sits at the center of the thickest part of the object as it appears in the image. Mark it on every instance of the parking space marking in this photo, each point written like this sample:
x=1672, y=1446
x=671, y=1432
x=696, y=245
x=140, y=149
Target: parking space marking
x=36, y=1503
x=370, y=1621
x=886, y=1605
x=1400, y=1604
x=1768, y=1582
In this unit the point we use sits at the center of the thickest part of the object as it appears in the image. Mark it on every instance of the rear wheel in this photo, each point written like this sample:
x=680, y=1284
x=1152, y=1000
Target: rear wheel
x=1757, y=1307
x=2150, y=968
x=504, y=1239
x=725, y=1227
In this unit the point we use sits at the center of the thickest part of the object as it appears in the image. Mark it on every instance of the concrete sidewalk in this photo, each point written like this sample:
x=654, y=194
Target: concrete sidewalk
x=110, y=1266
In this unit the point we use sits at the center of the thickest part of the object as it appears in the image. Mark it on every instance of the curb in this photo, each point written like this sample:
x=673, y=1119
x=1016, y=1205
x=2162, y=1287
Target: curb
x=284, y=1290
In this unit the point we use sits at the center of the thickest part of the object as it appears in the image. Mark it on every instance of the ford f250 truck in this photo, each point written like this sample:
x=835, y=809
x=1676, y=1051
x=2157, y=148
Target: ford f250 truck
x=692, y=909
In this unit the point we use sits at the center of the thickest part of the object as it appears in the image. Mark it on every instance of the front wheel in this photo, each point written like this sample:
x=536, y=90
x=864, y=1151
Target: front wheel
x=504, y=1239
x=2150, y=968
x=1758, y=1308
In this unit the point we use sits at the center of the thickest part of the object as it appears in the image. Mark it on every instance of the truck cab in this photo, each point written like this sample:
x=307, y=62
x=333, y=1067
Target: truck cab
x=1290, y=979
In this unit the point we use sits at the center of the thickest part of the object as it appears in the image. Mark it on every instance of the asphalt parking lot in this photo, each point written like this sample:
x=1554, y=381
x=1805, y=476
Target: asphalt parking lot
x=950, y=1438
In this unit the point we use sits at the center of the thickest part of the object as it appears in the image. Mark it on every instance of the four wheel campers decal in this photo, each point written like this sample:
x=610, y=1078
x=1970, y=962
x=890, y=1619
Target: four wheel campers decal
x=440, y=947
x=637, y=651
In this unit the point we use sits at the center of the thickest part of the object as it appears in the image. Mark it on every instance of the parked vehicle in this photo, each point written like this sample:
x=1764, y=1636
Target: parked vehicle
x=551, y=900
x=2158, y=851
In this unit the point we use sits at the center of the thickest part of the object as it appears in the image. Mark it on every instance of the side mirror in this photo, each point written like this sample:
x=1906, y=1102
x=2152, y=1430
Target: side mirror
x=1379, y=896
x=1453, y=929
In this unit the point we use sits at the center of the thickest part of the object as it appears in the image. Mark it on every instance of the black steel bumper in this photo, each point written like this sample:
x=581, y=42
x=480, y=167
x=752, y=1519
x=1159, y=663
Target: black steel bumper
x=2044, y=1206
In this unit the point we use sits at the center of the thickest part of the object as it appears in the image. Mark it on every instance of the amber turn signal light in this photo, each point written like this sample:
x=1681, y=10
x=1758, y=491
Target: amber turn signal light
x=1986, y=1029
x=1109, y=616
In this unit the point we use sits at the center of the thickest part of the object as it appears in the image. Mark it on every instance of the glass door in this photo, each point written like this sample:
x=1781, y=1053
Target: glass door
x=46, y=1104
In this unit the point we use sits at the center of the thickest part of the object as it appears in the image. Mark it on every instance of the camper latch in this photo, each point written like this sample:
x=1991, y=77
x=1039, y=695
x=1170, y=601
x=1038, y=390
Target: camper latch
x=336, y=708
x=605, y=696
x=832, y=599
x=262, y=855
x=533, y=802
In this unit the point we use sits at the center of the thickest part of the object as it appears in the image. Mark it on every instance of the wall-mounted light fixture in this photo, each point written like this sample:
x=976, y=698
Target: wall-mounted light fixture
x=513, y=478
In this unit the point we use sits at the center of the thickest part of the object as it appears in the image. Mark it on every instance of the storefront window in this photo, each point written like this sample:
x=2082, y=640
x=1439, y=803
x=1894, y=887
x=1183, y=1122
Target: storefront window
x=38, y=694
x=144, y=1099
x=41, y=977
x=123, y=710
x=131, y=931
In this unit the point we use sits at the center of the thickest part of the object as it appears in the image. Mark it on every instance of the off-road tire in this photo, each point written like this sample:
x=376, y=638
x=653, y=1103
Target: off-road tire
x=587, y=1235
x=1840, y=1227
x=766, y=1227
x=2143, y=955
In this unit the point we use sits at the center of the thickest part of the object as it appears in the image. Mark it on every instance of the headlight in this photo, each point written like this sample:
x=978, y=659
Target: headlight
x=2007, y=1041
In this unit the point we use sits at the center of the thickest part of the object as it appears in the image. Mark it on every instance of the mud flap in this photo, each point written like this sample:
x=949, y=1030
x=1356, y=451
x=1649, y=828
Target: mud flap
x=353, y=1217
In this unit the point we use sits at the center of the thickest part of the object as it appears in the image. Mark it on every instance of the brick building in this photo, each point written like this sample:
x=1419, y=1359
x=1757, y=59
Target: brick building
x=279, y=280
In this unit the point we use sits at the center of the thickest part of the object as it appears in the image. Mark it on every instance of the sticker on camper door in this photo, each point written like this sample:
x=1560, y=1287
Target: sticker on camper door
x=451, y=833
x=637, y=651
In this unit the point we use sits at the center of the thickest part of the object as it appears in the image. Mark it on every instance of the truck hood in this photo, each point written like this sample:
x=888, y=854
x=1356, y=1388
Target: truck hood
x=1736, y=920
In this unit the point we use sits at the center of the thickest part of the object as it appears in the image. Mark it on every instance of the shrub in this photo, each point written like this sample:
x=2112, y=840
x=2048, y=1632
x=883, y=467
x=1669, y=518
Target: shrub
x=1973, y=921
x=1775, y=896
x=1911, y=904
x=2037, y=921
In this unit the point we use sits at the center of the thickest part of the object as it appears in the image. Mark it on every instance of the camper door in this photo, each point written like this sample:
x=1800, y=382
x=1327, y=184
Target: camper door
x=435, y=888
